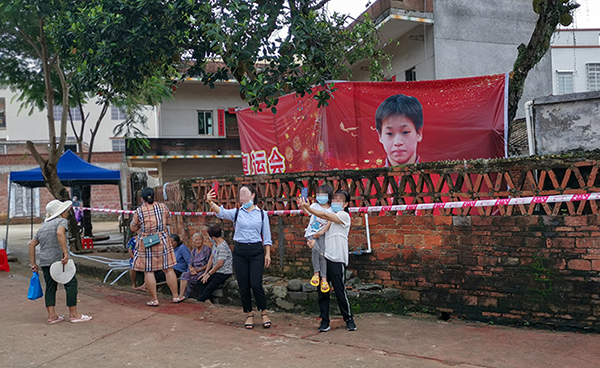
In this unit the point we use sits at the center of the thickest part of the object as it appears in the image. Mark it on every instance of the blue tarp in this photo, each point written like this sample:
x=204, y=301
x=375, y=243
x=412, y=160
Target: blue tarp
x=72, y=171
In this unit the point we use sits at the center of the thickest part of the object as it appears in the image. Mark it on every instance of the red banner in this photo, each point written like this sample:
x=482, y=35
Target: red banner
x=368, y=125
x=221, y=122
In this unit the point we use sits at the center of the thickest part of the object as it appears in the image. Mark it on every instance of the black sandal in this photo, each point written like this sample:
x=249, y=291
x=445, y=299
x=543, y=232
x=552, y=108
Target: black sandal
x=249, y=326
x=266, y=324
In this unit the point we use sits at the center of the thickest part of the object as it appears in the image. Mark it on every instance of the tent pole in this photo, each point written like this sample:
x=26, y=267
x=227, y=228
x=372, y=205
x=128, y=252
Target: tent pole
x=122, y=217
x=31, y=209
x=8, y=216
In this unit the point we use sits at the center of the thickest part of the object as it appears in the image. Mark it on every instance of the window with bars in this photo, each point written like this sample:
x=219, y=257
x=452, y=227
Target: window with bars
x=117, y=113
x=118, y=145
x=565, y=82
x=593, y=76
x=205, y=125
x=2, y=113
x=58, y=110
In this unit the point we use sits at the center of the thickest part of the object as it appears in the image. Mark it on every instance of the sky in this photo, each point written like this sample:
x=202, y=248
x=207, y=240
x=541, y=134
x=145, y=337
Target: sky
x=587, y=16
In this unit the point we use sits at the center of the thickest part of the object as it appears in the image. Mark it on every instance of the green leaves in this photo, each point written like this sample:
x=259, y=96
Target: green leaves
x=271, y=47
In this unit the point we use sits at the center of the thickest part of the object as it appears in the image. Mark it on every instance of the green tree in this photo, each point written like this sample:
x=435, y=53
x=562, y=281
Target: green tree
x=45, y=71
x=270, y=47
x=28, y=53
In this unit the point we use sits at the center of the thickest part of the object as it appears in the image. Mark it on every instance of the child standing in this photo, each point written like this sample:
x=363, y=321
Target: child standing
x=315, y=239
x=336, y=253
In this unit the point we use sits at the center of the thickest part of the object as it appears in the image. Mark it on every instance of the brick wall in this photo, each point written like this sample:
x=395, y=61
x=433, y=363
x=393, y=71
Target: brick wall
x=511, y=264
x=536, y=269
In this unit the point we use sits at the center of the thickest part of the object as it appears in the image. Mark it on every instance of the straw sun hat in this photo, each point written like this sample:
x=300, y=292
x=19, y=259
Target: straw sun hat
x=55, y=208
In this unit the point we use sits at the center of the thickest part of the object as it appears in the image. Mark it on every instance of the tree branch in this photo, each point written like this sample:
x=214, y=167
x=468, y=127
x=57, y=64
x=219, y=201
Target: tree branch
x=318, y=5
x=63, y=122
x=93, y=137
x=30, y=41
x=36, y=155
x=49, y=94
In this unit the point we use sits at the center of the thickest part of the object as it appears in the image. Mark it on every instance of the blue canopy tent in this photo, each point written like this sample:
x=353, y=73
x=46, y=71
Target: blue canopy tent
x=72, y=171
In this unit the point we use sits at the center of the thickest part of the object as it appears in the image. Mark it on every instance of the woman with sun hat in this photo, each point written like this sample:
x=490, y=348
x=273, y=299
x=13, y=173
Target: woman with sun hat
x=52, y=238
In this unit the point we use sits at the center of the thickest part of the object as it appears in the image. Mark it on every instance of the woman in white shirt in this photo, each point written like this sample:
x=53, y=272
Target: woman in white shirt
x=336, y=254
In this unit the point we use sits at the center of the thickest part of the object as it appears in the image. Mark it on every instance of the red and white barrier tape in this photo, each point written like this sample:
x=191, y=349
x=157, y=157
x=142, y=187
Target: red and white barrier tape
x=412, y=207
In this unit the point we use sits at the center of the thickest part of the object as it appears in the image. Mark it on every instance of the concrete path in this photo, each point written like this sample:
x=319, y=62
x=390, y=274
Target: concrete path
x=126, y=333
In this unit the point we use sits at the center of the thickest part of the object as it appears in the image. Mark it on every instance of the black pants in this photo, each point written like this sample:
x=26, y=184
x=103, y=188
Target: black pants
x=51, y=286
x=249, y=261
x=161, y=277
x=336, y=278
x=212, y=284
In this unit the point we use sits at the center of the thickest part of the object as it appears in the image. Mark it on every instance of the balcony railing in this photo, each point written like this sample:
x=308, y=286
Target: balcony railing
x=188, y=146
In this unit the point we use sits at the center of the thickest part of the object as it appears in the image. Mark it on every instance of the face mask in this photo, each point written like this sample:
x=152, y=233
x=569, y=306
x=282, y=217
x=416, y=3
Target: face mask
x=248, y=205
x=337, y=207
x=322, y=199
x=212, y=241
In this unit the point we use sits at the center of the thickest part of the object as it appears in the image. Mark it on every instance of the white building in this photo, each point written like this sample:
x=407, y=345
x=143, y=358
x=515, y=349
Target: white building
x=443, y=39
x=575, y=61
x=197, y=133
x=18, y=126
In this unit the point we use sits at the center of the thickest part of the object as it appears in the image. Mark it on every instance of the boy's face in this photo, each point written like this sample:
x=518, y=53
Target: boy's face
x=400, y=139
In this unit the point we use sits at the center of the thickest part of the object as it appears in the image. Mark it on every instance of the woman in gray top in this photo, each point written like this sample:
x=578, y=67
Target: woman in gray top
x=220, y=265
x=52, y=238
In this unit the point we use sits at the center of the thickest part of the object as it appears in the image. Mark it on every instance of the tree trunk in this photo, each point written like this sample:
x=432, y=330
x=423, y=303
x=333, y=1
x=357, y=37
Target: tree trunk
x=550, y=12
x=86, y=198
x=58, y=191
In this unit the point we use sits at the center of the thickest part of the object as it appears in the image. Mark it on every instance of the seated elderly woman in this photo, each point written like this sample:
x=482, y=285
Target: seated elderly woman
x=219, y=268
x=182, y=255
x=198, y=261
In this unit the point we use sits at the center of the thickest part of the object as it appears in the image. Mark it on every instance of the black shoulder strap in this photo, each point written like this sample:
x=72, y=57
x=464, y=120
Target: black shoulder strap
x=262, y=219
x=237, y=212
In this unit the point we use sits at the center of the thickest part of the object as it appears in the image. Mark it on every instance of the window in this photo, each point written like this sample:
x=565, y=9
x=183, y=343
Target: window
x=205, y=125
x=118, y=145
x=411, y=75
x=117, y=113
x=2, y=113
x=593, y=76
x=3, y=149
x=231, y=125
x=75, y=113
x=565, y=82
x=71, y=146
x=24, y=201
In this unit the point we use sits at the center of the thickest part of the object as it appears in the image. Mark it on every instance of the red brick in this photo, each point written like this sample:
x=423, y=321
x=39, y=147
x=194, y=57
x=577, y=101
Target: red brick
x=413, y=239
x=481, y=221
x=579, y=264
x=490, y=314
x=411, y=295
x=576, y=220
x=588, y=243
x=383, y=255
x=596, y=265
x=383, y=275
x=442, y=220
x=433, y=239
x=470, y=300
x=562, y=243
x=395, y=238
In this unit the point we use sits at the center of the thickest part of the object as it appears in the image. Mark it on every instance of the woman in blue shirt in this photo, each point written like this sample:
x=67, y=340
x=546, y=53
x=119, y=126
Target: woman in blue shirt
x=252, y=251
x=182, y=255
